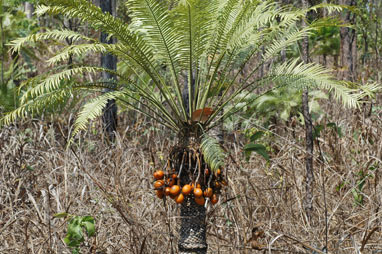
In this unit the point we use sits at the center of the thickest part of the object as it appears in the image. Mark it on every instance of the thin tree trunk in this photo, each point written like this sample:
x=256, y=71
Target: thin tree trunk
x=348, y=50
x=29, y=9
x=109, y=61
x=309, y=178
x=68, y=24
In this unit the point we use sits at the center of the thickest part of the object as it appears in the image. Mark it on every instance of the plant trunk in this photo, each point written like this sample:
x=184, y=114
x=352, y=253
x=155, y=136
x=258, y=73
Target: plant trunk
x=109, y=61
x=348, y=50
x=29, y=9
x=309, y=178
x=193, y=228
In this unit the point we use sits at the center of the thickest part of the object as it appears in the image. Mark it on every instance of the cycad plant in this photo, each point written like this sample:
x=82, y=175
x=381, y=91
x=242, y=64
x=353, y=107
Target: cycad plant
x=167, y=45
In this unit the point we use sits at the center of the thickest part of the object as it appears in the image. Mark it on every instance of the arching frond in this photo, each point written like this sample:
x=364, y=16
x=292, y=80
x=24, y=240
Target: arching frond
x=60, y=35
x=38, y=105
x=79, y=50
x=314, y=75
x=54, y=81
x=292, y=73
x=212, y=42
x=155, y=23
x=213, y=153
x=92, y=109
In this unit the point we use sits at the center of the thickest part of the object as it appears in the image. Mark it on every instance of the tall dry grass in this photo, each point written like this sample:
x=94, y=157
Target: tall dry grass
x=40, y=177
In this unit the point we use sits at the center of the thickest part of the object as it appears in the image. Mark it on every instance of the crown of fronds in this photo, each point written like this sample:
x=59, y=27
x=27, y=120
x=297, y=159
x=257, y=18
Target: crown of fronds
x=207, y=43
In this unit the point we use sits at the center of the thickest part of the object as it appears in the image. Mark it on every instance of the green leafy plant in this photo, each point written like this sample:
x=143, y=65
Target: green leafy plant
x=256, y=147
x=77, y=226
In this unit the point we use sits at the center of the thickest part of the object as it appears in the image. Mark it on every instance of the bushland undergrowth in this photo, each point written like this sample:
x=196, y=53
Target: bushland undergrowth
x=260, y=210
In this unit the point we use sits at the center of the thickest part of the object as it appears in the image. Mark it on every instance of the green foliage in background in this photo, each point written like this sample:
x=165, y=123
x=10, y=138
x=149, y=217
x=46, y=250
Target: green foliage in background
x=16, y=66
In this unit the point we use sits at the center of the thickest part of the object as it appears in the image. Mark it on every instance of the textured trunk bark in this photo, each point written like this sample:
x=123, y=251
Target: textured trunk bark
x=192, y=232
x=309, y=178
x=108, y=61
x=348, y=50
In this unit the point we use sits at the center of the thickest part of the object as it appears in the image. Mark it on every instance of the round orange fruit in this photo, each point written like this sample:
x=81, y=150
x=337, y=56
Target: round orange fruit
x=167, y=191
x=175, y=189
x=186, y=189
x=214, y=199
x=198, y=192
x=158, y=184
x=179, y=199
x=200, y=201
x=158, y=175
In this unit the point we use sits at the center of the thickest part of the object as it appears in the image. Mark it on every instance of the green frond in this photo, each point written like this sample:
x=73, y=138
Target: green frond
x=79, y=50
x=292, y=73
x=87, y=12
x=38, y=105
x=133, y=45
x=369, y=90
x=212, y=152
x=313, y=75
x=330, y=8
x=50, y=35
x=54, y=81
x=155, y=23
x=284, y=39
x=92, y=109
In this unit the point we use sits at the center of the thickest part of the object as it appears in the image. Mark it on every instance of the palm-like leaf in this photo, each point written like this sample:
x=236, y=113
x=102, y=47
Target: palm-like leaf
x=212, y=41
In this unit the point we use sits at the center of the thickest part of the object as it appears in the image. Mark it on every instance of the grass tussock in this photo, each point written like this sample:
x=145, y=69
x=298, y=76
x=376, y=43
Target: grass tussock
x=264, y=200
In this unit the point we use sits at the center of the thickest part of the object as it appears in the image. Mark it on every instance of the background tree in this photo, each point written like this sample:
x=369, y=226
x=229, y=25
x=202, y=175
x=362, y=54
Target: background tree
x=309, y=178
x=109, y=61
x=348, y=35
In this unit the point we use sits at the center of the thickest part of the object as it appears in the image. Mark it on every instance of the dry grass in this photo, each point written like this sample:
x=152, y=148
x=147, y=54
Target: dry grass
x=40, y=178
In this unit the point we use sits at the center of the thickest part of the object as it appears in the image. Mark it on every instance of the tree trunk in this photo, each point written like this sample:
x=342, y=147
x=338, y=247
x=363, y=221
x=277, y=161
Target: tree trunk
x=29, y=9
x=309, y=178
x=193, y=228
x=348, y=50
x=109, y=61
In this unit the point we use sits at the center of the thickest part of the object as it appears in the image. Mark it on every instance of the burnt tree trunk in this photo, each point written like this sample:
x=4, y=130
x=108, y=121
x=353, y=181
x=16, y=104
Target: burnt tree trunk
x=309, y=178
x=109, y=61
